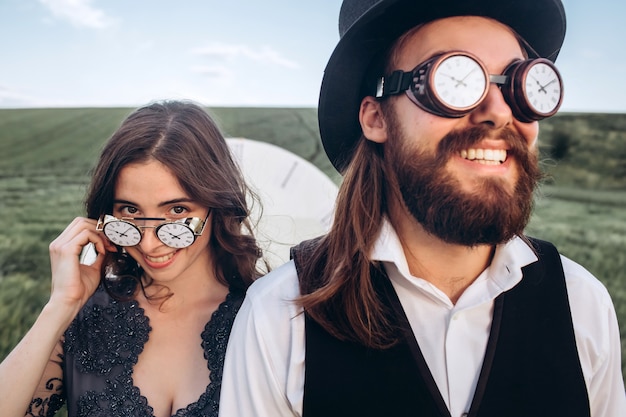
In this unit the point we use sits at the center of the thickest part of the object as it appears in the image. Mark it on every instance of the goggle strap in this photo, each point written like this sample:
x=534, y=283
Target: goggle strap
x=398, y=82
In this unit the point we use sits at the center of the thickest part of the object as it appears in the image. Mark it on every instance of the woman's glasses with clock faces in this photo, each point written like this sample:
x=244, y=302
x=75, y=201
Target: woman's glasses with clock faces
x=177, y=234
x=455, y=83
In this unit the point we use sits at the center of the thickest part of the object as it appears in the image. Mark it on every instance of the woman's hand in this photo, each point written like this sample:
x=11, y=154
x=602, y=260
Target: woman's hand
x=21, y=372
x=72, y=282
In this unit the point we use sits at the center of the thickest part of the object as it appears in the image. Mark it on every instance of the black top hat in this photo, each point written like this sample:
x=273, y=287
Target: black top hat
x=367, y=28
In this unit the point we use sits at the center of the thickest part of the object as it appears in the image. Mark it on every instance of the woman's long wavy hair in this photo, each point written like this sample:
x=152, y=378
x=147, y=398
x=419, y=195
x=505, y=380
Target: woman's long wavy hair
x=183, y=137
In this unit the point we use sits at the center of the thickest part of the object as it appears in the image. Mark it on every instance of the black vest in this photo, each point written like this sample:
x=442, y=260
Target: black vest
x=531, y=366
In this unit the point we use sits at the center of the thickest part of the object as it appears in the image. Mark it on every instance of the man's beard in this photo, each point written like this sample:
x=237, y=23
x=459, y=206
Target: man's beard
x=492, y=214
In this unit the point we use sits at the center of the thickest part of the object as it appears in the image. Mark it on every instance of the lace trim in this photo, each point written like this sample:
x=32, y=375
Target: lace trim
x=107, y=342
x=107, y=336
x=214, y=341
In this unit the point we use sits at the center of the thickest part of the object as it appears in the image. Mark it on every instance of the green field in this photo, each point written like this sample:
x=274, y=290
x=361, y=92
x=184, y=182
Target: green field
x=46, y=155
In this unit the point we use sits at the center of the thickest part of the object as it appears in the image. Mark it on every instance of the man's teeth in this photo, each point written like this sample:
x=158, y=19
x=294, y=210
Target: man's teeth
x=485, y=156
x=160, y=259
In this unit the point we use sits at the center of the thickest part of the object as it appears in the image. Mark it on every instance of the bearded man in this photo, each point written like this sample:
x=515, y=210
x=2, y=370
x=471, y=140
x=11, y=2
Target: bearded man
x=426, y=298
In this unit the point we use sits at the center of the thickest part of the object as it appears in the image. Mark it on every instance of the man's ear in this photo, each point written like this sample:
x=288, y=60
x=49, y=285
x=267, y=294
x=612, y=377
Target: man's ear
x=372, y=121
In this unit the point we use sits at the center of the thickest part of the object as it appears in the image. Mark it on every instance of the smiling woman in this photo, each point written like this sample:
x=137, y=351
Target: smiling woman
x=142, y=330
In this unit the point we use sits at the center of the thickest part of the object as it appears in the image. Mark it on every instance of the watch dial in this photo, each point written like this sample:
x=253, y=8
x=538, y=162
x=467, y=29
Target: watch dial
x=122, y=233
x=459, y=81
x=175, y=235
x=543, y=88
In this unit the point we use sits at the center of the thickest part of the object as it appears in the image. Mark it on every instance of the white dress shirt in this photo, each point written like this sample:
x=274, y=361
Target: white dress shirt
x=264, y=369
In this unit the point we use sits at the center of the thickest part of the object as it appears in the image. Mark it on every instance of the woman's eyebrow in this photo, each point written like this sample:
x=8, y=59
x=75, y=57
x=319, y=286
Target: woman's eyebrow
x=175, y=201
x=120, y=201
x=164, y=203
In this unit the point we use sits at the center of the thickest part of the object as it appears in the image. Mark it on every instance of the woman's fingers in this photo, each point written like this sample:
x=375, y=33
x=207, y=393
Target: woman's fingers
x=73, y=282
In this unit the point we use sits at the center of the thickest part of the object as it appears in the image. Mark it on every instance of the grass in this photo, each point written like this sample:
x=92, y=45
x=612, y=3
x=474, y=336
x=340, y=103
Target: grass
x=46, y=155
x=589, y=227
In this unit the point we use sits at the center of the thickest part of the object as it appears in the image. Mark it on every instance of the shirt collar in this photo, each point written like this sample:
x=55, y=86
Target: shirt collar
x=505, y=270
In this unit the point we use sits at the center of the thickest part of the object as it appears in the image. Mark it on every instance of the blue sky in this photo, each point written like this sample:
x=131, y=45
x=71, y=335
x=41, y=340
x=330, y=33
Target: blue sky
x=75, y=53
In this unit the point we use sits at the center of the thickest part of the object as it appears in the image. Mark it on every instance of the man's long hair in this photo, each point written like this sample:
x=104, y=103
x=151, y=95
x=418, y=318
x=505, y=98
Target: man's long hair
x=335, y=281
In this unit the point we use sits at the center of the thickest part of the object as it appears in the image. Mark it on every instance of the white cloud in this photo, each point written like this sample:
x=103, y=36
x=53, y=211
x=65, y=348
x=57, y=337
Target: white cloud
x=265, y=54
x=80, y=13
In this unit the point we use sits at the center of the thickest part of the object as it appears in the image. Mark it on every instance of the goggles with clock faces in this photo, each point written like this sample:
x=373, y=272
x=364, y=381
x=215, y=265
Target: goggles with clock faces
x=177, y=234
x=455, y=83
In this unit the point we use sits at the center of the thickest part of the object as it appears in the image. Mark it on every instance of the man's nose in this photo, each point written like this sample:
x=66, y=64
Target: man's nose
x=493, y=110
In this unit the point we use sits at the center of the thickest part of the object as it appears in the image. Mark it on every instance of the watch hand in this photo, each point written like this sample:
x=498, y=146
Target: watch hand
x=462, y=80
x=540, y=86
x=458, y=81
x=543, y=87
x=123, y=233
x=468, y=74
x=173, y=235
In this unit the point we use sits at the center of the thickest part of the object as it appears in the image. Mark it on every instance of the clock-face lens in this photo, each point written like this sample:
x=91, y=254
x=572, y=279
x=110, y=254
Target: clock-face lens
x=542, y=88
x=122, y=233
x=454, y=83
x=175, y=235
x=459, y=82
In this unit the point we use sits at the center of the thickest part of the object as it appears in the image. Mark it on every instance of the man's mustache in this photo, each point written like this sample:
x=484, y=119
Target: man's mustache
x=458, y=140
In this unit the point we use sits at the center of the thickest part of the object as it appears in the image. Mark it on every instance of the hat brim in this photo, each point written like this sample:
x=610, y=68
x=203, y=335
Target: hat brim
x=541, y=23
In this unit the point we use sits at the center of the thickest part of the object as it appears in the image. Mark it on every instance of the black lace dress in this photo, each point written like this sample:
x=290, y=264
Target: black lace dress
x=102, y=346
